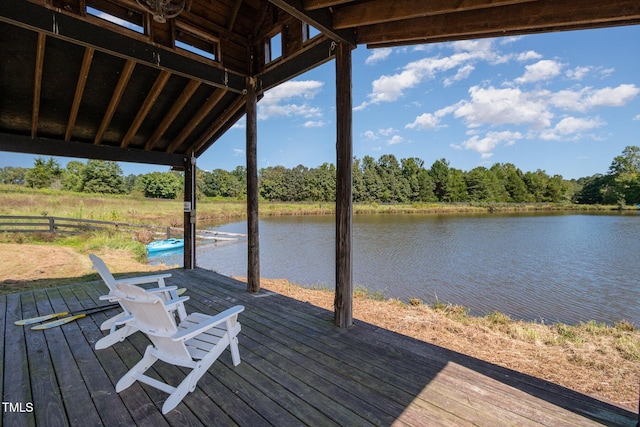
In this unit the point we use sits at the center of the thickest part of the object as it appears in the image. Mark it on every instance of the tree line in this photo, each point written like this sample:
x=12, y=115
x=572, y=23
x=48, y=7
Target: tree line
x=385, y=180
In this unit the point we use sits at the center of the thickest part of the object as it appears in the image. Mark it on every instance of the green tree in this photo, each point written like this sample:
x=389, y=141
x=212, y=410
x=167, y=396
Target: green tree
x=44, y=174
x=72, y=178
x=440, y=177
x=456, y=187
x=161, y=185
x=12, y=175
x=103, y=177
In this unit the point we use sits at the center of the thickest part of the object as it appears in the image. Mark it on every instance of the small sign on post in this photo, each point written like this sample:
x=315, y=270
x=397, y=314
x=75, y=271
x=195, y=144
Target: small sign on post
x=187, y=206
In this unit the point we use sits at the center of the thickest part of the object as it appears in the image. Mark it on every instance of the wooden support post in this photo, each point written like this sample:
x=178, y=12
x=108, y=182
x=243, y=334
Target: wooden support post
x=190, y=213
x=343, y=303
x=253, y=237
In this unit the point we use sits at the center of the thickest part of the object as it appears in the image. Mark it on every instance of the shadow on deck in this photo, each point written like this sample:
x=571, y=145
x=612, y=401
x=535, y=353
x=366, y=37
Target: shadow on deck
x=297, y=369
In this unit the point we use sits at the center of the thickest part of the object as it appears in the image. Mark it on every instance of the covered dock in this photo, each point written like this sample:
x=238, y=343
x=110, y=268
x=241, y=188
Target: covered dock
x=297, y=368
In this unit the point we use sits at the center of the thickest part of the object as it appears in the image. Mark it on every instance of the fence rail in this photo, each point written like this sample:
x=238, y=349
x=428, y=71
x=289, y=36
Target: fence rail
x=52, y=224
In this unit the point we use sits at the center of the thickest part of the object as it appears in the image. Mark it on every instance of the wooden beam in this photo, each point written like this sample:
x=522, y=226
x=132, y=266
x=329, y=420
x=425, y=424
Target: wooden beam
x=223, y=121
x=320, y=19
x=77, y=30
x=82, y=150
x=253, y=236
x=173, y=112
x=320, y=4
x=211, y=102
x=189, y=213
x=377, y=11
x=343, y=303
x=310, y=57
x=77, y=98
x=125, y=75
x=234, y=14
x=37, y=84
x=144, y=109
x=538, y=16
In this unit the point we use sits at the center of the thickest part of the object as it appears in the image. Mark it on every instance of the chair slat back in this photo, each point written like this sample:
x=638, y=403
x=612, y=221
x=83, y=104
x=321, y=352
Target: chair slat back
x=103, y=271
x=152, y=317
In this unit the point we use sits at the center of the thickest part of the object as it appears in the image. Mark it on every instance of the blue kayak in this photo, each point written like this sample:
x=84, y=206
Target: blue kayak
x=165, y=245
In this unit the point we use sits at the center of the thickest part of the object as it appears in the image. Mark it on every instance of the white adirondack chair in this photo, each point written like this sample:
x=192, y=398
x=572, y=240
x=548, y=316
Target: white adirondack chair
x=195, y=343
x=118, y=326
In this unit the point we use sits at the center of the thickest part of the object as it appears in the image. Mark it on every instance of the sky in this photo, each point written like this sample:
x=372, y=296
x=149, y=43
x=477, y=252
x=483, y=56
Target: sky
x=566, y=103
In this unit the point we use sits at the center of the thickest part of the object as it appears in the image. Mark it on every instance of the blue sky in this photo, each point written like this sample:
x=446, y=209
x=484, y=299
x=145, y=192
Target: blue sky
x=567, y=103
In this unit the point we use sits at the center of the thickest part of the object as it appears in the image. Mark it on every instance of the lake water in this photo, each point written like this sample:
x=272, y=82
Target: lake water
x=552, y=268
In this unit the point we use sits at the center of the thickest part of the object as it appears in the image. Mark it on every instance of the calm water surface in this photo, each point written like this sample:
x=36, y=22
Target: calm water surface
x=566, y=268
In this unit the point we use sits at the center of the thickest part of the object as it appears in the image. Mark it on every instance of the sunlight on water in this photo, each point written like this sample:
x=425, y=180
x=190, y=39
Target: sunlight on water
x=566, y=268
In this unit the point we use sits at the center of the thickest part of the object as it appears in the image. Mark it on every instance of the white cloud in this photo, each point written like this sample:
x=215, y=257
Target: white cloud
x=425, y=121
x=503, y=106
x=395, y=139
x=378, y=55
x=390, y=88
x=486, y=145
x=238, y=152
x=279, y=101
x=314, y=124
x=578, y=73
x=528, y=56
x=571, y=126
x=589, y=98
x=637, y=117
x=386, y=132
x=370, y=135
x=463, y=73
x=541, y=70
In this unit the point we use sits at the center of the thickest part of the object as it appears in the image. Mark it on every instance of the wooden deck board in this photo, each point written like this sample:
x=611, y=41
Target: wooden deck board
x=297, y=369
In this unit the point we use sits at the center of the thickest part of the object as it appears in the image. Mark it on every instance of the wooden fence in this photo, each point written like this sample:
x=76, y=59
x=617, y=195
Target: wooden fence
x=52, y=224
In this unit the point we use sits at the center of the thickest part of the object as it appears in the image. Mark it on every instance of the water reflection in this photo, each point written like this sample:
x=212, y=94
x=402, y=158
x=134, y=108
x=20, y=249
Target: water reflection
x=566, y=268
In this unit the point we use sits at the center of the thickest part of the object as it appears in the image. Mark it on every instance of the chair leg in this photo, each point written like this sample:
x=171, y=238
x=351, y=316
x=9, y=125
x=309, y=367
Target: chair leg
x=116, y=336
x=141, y=367
x=235, y=352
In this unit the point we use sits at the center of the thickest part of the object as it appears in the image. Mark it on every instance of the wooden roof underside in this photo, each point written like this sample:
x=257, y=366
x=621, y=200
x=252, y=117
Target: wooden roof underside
x=72, y=84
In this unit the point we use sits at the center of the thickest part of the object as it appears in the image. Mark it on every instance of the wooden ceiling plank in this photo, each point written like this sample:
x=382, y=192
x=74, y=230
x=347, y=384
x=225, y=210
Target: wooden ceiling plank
x=149, y=101
x=173, y=112
x=37, y=84
x=320, y=19
x=547, y=15
x=206, y=108
x=320, y=4
x=125, y=75
x=77, y=98
x=378, y=11
x=222, y=121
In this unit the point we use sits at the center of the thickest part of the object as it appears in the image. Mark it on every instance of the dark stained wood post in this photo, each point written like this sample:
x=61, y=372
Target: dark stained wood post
x=190, y=213
x=343, y=303
x=253, y=237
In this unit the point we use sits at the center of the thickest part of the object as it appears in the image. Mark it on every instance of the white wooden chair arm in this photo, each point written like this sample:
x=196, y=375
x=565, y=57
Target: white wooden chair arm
x=198, y=328
x=124, y=320
x=172, y=304
x=145, y=279
x=161, y=289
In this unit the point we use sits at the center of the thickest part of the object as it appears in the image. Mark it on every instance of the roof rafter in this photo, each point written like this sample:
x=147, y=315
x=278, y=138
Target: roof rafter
x=125, y=75
x=82, y=81
x=153, y=94
x=37, y=84
x=320, y=19
x=176, y=107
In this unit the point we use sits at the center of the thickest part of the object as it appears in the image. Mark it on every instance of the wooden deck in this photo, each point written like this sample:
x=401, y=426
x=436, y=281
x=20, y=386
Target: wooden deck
x=297, y=369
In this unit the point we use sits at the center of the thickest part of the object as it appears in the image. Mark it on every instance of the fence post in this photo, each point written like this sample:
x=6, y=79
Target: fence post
x=52, y=228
